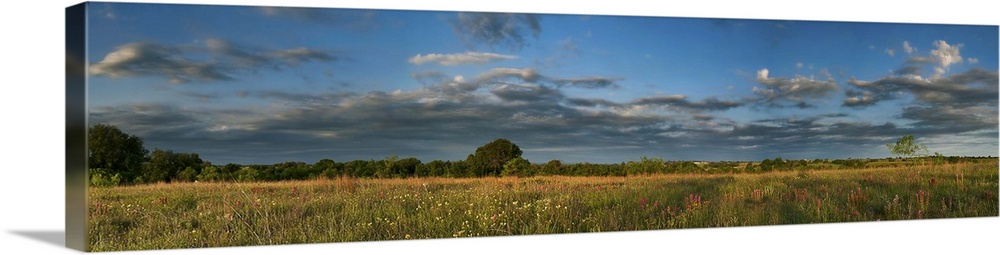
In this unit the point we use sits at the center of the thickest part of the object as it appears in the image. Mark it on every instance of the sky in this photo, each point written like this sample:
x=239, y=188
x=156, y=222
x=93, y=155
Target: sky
x=257, y=85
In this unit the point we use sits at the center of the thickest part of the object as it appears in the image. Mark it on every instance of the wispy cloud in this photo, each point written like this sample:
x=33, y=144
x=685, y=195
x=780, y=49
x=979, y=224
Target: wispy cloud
x=146, y=59
x=188, y=63
x=796, y=90
x=975, y=86
x=682, y=103
x=459, y=58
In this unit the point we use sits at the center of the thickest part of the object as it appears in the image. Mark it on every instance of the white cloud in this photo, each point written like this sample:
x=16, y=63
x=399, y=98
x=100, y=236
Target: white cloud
x=459, y=58
x=973, y=60
x=890, y=52
x=762, y=74
x=946, y=54
x=528, y=75
x=907, y=48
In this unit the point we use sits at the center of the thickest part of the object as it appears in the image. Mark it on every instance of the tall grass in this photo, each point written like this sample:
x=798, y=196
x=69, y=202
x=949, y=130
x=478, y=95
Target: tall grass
x=346, y=209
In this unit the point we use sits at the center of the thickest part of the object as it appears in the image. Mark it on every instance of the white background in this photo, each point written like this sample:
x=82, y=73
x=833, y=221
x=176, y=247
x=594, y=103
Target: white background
x=32, y=142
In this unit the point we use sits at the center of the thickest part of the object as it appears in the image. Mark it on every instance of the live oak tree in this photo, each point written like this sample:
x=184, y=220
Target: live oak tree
x=115, y=152
x=489, y=159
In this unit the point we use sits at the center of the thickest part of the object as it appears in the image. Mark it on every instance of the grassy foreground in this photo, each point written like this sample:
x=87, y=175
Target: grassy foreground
x=188, y=215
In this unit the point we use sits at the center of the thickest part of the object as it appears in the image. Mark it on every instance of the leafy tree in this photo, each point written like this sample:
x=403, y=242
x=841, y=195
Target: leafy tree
x=766, y=165
x=457, y=169
x=906, y=146
x=290, y=170
x=433, y=168
x=359, y=168
x=327, y=168
x=247, y=174
x=518, y=167
x=188, y=175
x=388, y=167
x=229, y=171
x=116, y=151
x=164, y=165
x=552, y=167
x=489, y=159
x=210, y=173
x=407, y=167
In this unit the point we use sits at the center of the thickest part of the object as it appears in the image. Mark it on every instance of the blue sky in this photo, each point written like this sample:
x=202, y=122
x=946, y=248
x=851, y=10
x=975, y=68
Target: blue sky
x=268, y=84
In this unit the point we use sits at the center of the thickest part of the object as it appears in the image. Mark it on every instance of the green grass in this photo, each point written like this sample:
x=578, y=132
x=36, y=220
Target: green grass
x=189, y=215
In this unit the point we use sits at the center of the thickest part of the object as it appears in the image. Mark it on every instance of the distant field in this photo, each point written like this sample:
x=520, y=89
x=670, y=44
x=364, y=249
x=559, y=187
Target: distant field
x=187, y=215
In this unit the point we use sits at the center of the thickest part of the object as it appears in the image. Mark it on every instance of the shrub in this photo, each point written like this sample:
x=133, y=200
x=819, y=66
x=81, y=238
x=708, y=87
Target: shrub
x=99, y=177
x=517, y=167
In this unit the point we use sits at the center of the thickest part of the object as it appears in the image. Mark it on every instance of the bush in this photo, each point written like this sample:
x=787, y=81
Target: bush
x=247, y=174
x=188, y=175
x=517, y=167
x=100, y=178
x=210, y=174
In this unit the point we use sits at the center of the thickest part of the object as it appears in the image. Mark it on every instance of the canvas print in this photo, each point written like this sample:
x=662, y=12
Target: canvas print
x=215, y=126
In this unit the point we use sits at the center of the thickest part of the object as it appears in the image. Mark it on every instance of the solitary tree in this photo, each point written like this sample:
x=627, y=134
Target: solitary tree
x=489, y=159
x=906, y=147
x=115, y=151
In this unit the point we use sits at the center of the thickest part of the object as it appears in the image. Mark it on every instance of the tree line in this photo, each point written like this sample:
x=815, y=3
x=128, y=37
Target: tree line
x=118, y=158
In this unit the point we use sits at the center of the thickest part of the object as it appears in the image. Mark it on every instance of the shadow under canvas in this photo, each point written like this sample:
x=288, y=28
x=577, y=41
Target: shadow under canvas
x=53, y=237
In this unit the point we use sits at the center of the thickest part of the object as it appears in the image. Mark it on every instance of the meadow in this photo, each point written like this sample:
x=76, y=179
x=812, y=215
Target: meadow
x=189, y=215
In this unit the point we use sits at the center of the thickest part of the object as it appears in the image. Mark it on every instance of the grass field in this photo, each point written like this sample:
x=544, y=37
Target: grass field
x=187, y=215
